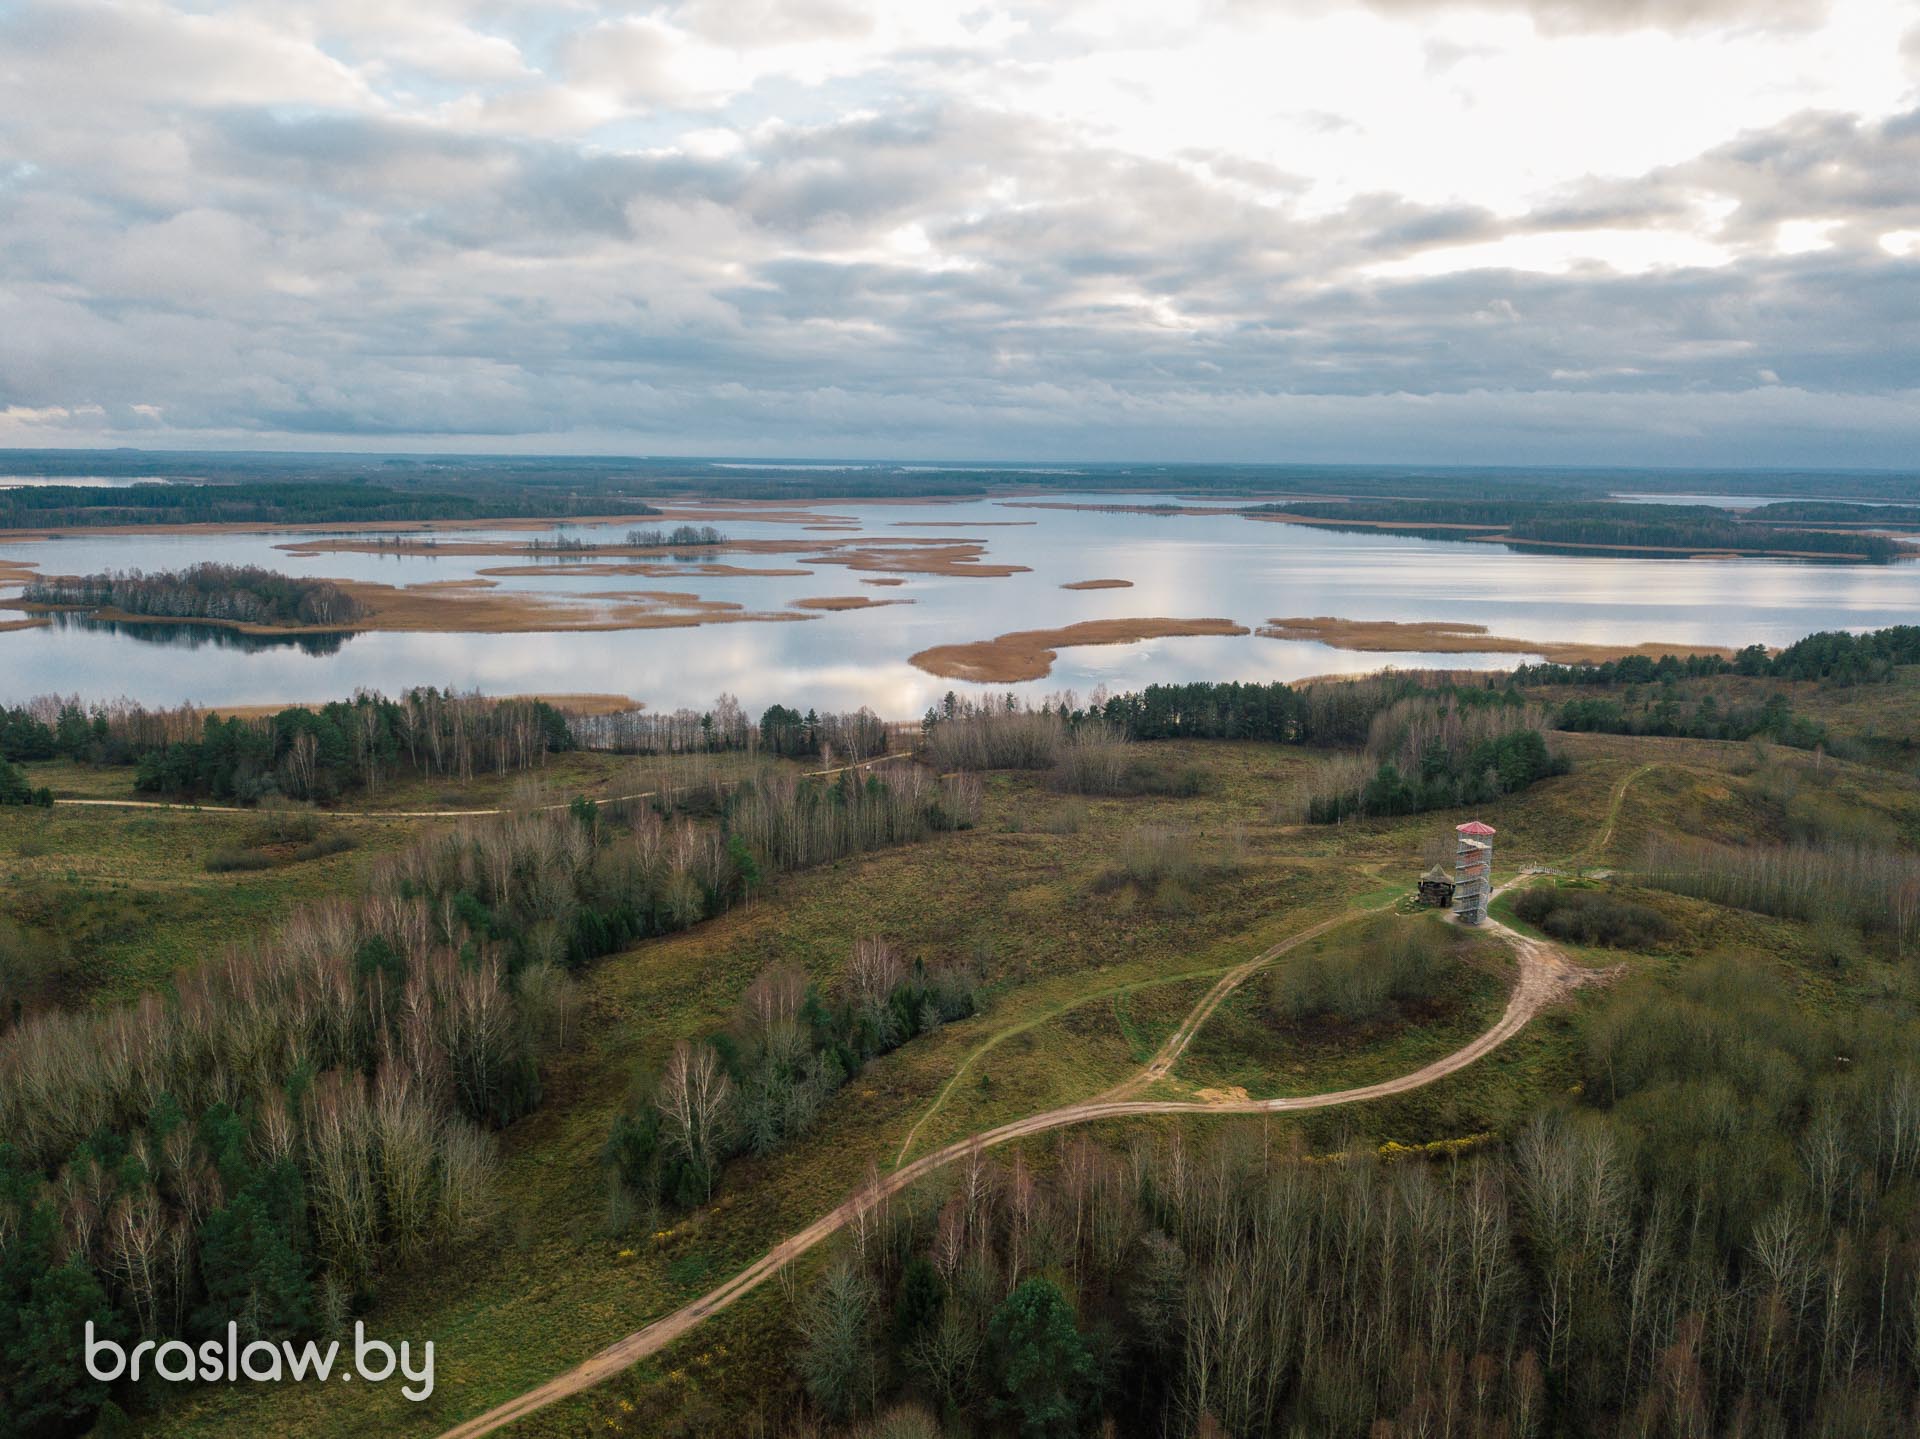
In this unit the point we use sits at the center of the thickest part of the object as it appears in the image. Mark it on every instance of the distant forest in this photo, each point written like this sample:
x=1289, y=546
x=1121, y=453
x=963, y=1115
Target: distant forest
x=346, y=746
x=325, y=488
x=1833, y=655
x=244, y=594
x=301, y=502
x=1617, y=525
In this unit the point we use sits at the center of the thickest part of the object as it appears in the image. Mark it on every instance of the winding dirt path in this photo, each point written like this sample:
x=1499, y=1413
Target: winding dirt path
x=1161, y=1065
x=1598, y=848
x=1544, y=977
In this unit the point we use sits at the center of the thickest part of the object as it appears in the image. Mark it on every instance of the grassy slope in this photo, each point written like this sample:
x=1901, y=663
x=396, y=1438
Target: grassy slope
x=1083, y=983
x=130, y=892
x=1241, y=1046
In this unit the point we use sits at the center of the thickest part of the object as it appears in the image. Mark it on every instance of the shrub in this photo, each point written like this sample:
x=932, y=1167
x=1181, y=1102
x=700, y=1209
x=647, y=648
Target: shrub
x=1150, y=856
x=225, y=861
x=14, y=788
x=253, y=857
x=1592, y=917
x=1092, y=760
x=1392, y=964
x=989, y=737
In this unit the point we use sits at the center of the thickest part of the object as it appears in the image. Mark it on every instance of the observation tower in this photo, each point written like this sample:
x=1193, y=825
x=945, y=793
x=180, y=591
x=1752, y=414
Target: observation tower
x=1473, y=871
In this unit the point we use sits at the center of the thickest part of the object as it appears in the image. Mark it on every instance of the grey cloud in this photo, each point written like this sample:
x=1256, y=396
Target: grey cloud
x=335, y=270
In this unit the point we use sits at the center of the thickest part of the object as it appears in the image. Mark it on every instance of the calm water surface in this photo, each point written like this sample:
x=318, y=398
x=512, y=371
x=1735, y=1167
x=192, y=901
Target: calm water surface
x=1185, y=566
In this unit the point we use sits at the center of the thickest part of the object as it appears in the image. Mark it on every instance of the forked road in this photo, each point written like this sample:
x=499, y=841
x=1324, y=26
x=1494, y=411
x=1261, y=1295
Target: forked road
x=1544, y=976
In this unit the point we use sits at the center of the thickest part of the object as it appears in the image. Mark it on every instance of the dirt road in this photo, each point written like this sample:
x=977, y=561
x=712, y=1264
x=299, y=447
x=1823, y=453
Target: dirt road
x=1161, y=1065
x=1544, y=976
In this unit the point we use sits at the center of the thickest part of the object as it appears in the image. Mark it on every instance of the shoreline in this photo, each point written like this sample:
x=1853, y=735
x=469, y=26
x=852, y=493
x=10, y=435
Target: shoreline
x=1445, y=637
x=1022, y=655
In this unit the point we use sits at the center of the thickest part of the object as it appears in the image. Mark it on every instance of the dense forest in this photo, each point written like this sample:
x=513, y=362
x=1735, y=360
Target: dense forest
x=1716, y=1235
x=852, y=736
x=304, y=1115
x=242, y=594
x=1662, y=713
x=1428, y=743
x=761, y=1081
x=450, y=486
x=1836, y=512
x=244, y=502
x=357, y=745
x=1595, y=524
x=306, y=754
x=1336, y=713
x=1436, y=751
x=1834, y=656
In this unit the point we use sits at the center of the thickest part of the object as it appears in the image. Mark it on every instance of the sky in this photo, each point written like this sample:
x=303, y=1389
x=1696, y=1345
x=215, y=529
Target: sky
x=1504, y=232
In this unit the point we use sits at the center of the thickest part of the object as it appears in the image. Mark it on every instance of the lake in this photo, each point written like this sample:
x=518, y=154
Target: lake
x=1186, y=566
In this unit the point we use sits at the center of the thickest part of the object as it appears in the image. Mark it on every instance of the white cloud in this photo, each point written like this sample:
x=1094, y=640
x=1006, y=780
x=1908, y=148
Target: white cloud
x=803, y=225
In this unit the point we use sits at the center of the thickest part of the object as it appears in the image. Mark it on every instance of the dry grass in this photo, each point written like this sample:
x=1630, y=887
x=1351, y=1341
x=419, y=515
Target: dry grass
x=440, y=608
x=845, y=602
x=878, y=554
x=1099, y=585
x=1444, y=637
x=648, y=569
x=1029, y=654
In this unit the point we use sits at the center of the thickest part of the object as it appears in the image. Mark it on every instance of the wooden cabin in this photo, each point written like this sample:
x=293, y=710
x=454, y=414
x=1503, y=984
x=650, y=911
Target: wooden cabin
x=1436, y=888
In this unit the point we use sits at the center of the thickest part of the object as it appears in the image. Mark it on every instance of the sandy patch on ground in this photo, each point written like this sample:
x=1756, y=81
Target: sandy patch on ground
x=1441, y=637
x=1029, y=654
x=1099, y=585
x=1231, y=1092
x=846, y=602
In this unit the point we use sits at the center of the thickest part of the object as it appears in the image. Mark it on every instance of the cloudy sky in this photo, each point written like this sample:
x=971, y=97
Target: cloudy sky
x=1632, y=231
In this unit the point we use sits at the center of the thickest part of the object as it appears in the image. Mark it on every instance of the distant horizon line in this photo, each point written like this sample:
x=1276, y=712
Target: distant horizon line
x=940, y=465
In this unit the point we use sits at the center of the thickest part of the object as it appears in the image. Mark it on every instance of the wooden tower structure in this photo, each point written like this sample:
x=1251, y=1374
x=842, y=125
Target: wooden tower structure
x=1473, y=871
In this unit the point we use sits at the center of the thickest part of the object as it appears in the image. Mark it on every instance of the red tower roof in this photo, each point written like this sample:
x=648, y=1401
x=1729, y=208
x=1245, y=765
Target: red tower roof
x=1473, y=826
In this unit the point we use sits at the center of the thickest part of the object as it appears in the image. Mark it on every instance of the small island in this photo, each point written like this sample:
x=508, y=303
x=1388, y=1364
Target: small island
x=240, y=595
